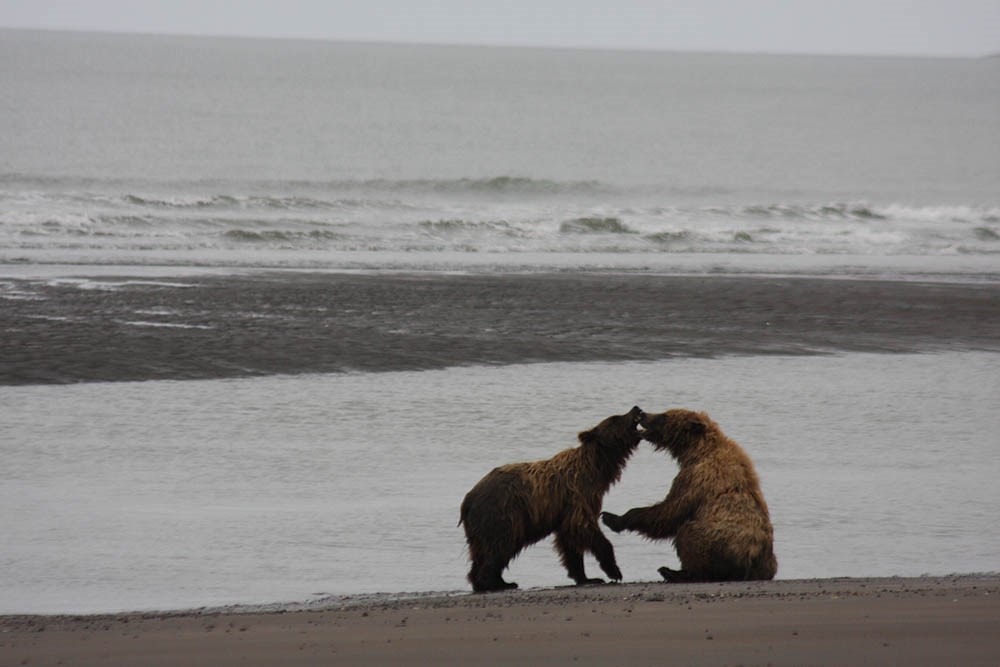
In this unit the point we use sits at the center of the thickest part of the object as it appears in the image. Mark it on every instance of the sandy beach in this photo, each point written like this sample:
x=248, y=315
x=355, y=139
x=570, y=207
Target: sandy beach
x=897, y=621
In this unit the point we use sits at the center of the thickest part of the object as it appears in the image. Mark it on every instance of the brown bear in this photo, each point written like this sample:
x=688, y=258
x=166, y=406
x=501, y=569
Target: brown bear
x=715, y=511
x=518, y=504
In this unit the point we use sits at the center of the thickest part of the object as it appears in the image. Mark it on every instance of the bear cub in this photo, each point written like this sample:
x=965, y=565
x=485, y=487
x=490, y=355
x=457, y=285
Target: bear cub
x=715, y=510
x=518, y=504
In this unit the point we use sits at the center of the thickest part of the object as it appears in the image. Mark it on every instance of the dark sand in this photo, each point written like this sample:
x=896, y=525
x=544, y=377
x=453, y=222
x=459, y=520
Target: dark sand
x=289, y=322
x=921, y=621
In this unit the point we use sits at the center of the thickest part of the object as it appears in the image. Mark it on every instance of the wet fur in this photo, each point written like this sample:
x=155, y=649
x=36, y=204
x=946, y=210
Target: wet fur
x=715, y=510
x=516, y=505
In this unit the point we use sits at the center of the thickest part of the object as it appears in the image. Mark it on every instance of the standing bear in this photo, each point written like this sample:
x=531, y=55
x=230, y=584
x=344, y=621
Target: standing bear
x=518, y=504
x=715, y=511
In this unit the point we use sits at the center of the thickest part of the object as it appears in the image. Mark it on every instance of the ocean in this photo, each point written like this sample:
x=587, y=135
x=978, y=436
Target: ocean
x=144, y=150
x=270, y=307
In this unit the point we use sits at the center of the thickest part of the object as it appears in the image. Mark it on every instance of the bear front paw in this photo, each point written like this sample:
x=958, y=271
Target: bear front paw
x=614, y=573
x=613, y=521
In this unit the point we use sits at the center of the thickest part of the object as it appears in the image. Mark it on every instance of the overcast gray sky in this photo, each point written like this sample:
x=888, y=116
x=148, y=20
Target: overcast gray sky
x=893, y=27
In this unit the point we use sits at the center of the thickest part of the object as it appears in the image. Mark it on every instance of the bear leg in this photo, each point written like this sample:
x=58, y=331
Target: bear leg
x=572, y=560
x=487, y=575
x=605, y=554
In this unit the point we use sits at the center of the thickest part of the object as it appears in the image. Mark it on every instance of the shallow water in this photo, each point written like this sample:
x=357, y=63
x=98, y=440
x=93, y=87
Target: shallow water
x=173, y=494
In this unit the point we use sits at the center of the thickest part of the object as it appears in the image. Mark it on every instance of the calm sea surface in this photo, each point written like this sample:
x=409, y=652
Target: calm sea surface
x=177, y=494
x=131, y=160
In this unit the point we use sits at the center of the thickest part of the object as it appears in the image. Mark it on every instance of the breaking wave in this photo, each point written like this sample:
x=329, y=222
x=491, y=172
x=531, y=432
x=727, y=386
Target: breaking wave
x=293, y=223
x=277, y=235
x=465, y=226
x=595, y=225
x=501, y=185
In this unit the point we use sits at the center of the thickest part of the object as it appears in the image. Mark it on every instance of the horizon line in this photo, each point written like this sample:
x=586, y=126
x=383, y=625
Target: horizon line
x=506, y=45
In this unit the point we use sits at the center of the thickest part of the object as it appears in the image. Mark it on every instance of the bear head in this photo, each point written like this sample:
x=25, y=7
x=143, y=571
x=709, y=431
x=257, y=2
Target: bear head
x=616, y=437
x=677, y=431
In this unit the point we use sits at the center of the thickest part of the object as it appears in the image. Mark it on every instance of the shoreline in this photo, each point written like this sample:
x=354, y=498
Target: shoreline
x=658, y=591
x=904, y=620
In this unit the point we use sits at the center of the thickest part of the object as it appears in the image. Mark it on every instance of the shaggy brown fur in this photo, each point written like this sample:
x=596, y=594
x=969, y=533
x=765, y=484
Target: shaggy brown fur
x=715, y=511
x=516, y=505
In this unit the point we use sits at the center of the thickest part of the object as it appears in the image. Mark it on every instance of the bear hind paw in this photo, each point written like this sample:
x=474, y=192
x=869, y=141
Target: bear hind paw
x=594, y=581
x=673, y=576
x=494, y=586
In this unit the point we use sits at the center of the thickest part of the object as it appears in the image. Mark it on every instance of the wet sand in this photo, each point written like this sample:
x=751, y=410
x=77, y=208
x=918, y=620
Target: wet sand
x=916, y=621
x=114, y=329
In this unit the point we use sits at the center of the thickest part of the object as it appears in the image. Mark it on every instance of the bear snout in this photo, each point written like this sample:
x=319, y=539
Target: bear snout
x=635, y=416
x=649, y=426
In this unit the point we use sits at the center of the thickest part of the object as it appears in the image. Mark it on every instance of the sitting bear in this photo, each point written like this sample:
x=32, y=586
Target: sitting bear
x=518, y=504
x=715, y=511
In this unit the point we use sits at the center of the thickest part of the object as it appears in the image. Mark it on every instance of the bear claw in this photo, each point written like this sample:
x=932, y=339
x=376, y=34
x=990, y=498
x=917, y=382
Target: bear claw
x=613, y=521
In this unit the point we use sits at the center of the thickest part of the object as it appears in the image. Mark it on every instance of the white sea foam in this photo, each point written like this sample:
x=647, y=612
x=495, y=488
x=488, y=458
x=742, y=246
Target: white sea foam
x=111, y=285
x=541, y=231
x=173, y=325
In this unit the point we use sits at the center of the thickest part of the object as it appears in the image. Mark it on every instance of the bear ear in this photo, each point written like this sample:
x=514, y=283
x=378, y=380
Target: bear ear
x=696, y=425
x=586, y=437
